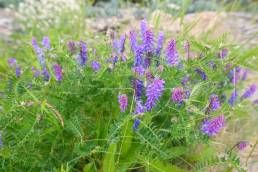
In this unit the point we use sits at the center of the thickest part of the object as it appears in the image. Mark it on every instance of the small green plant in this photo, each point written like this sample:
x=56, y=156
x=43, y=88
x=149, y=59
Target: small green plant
x=125, y=106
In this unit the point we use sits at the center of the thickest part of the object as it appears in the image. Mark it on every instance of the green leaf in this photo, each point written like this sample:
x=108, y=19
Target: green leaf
x=109, y=159
x=89, y=167
x=126, y=139
x=159, y=166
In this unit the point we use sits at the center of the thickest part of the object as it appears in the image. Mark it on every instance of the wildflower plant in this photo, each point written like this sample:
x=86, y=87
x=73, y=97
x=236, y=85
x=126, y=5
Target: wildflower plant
x=139, y=102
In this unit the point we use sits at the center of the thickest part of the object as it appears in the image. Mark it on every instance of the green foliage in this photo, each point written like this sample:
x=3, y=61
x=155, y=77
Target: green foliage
x=76, y=124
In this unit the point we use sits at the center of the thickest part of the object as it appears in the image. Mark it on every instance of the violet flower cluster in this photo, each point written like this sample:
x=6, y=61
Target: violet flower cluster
x=154, y=91
x=213, y=126
x=123, y=102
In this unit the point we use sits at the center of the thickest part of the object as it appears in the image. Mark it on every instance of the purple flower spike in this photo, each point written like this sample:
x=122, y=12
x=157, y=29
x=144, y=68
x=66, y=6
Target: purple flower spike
x=148, y=41
x=160, y=42
x=185, y=80
x=123, y=102
x=139, y=109
x=40, y=53
x=233, y=98
x=214, y=102
x=71, y=46
x=138, y=87
x=36, y=72
x=255, y=102
x=223, y=53
x=58, y=72
x=122, y=43
x=144, y=27
x=201, y=73
x=149, y=76
x=147, y=62
x=18, y=71
x=138, y=55
x=139, y=70
x=46, y=74
x=95, y=65
x=12, y=62
x=171, y=53
x=83, y=57
x=46, y=42
x=34, y=44
x=136, y=124
x=213, y=126
x=154, y=91
x=249, y=92
x=242, y=145
x=177, y=95
x=133, y=41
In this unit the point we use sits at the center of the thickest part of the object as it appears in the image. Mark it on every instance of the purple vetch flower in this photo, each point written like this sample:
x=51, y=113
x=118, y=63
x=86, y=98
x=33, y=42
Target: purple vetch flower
x=147, y=62
x=139, y=108
x=223, y=53
x=171, y=53
x=235, y=75
x=144, y=27
x=123, y=58
x=95, y=65
x=187, y=93
x=185, y=80
x=148, y=41
x=160, y=42
x=213, y=126
x=40, y=53
x=177, y=95
x=214, y=102
x=139, y=70
x=18, y=71
x=115, y=60
x=34, y=44
x=36, y=72
x=255, y=102
x=122, y=43
x=138, y=87
x=154, y=91
x=83, y=57
x=45, y=74
x=138, y=55
x=249, y=92
x=123, y=102
x=115, y=47
x=71, y=46
x=242, y=145
x=201, y=73
x=46, y=42
x=133, y=41
x=149, y=76
x=212, y=64
x=12, y=62
x=136, y=124
x=187, y=49
x=233, y=97
x=58, y=72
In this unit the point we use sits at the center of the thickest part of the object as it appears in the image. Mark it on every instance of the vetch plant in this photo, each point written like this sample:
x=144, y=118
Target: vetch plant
x=142, y=101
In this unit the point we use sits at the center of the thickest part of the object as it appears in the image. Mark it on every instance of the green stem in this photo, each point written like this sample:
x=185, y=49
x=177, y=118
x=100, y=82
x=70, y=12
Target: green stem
x=251, y=152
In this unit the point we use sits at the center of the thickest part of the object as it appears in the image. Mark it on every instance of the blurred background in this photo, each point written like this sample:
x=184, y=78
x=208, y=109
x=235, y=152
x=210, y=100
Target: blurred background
x=236, y=21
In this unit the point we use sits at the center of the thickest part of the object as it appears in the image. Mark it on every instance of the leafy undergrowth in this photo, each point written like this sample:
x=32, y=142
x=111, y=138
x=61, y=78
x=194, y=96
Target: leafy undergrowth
x=128, y=105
